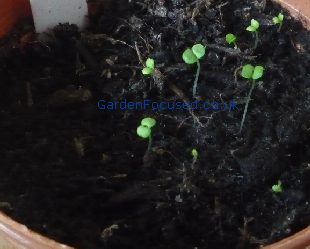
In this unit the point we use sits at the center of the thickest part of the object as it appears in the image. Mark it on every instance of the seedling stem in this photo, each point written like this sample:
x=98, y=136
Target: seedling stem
x=254, y=73
x=195, y=157
x=150, y=143
x=196, y=79
x=247, y=105
x=145, y=130
x=256, y=40
x=254, y=26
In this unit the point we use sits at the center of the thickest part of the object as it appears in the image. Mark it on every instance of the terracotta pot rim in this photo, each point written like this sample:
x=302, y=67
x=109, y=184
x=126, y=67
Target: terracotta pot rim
x=19, y=236
x=299, y=240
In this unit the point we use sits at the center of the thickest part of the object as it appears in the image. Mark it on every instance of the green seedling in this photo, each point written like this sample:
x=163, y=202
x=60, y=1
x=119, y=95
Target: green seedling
x=194, y=153
x=144, y=130
x=278, y=20
x=195, y=157
x=251, y=73
x=277, y=188
x=191, y=56
x=231, y=39
x=254, y=29
x=149, y=67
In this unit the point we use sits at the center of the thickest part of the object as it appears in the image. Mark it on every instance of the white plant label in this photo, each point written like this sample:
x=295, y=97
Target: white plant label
x=49, y=13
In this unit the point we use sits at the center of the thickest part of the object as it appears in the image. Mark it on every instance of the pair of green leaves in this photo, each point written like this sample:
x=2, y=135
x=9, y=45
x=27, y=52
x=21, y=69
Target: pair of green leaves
x=278, y=19
x=192, y=55
x=144, y=130
x=195, y=153
x=251, y=72
x=253, y=26
x=231, y=38
x=277, y=188
x=149, y=67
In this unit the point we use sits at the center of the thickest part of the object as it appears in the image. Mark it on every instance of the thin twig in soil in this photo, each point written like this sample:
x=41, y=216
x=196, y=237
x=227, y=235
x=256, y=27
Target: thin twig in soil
x=199, y=5
x=147, y=45
x=178, y=92
x=181, y=95
x=219, y=7
x=222, y=4
x=236, y=73
x=160, y=151
x=201, y=2
x=176, y=67
x=193, y=163
x=231, y=51
x=95, y=37
x=263, y=5
x=158, y=78
x=177, y=119
x=139, y=54
x=120, y=66
x=256, y=40
x=244, y=231
x=79, y=146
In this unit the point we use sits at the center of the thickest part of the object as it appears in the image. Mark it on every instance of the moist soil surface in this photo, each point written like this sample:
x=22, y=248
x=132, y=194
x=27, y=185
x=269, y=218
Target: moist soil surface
x=82, y=176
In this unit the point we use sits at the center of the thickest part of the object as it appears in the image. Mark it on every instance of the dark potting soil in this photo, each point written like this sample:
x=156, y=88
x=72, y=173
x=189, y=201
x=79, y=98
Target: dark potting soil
x=82, y=176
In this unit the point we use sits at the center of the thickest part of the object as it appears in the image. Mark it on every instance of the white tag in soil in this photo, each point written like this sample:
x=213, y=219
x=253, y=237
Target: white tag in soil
x=49, y=13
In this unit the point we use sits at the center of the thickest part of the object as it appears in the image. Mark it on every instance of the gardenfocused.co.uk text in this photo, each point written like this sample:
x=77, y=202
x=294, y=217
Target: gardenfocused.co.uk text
x=167, y=105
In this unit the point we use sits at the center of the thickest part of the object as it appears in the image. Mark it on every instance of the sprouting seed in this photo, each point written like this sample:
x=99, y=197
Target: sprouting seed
x=149, y=67
x=231, y=39
x=144, y=130
x=194, y=153
x=254, y=26
x=277, y=188
x=278, y=20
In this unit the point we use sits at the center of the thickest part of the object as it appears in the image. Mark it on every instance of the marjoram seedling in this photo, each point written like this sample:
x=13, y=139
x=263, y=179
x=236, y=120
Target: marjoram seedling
x=149, y=67
x=144, y=130
x=251, y=73
x=254, y=26
x=191, y=56
x=231, y=39
x=278, y=20
x=277, y=188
